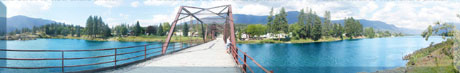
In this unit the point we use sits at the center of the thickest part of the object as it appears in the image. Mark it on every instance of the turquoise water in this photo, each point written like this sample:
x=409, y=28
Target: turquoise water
x=347, y=56
x=70, y=44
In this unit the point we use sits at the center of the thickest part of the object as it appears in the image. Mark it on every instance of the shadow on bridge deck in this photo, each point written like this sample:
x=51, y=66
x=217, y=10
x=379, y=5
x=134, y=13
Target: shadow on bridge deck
x=210, y=57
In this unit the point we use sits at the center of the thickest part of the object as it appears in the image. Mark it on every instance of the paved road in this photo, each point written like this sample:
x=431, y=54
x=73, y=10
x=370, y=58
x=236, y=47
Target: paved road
x=210, y=57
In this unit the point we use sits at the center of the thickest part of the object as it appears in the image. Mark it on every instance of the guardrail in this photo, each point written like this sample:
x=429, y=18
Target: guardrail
x=245, y=65
x=173, y=47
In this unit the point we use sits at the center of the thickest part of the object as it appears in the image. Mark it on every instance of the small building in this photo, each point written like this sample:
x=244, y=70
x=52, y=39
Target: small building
x=266, y=36
x=178, y=33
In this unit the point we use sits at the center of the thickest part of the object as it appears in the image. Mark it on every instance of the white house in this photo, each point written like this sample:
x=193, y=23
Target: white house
x=178, y=33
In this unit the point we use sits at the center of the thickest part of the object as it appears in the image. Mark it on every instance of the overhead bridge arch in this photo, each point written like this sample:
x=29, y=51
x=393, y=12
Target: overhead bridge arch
x=223, y=12
x=219, y=12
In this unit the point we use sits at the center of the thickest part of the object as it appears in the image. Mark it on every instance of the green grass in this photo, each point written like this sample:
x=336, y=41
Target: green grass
x=424, y=52
x=433, y=59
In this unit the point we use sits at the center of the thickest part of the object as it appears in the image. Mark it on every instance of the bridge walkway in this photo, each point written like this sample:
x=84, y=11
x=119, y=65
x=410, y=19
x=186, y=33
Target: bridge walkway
x=209, y=57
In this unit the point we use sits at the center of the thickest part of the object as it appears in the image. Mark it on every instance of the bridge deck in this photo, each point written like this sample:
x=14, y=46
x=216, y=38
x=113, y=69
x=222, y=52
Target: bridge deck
x=209, y=57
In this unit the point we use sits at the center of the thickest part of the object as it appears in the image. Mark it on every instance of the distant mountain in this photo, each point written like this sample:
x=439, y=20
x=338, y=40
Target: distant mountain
x=19, y=22
x=292, y=18
x=457, y=25
x=452, y=23
x=381, y=26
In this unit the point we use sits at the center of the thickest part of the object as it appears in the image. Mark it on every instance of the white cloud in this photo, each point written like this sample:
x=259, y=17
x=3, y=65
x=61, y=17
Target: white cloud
x=369, y=8
x=117, y=20
x=24, y=7
x=160, y=2
x=414, y=15
x=253, y=9
x=155, y=20
x=135, y=4
x=124, y=16
x=108, y=3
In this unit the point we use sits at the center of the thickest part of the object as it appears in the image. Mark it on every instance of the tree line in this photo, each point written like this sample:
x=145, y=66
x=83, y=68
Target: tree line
x=52, y=29
x=97, y=28
x=311, y=26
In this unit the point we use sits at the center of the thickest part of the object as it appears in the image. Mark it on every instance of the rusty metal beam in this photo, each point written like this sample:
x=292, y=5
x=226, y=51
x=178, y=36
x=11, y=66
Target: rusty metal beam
x=232, y=27
x=205, y=13
x=165, y=44
x=223, y=10
x=228, y=28
x=225, y=31
x=216, y=14
x=219, y=6
x=188, y=15
x=206, y=33
x=198, y=19
x=192, y=15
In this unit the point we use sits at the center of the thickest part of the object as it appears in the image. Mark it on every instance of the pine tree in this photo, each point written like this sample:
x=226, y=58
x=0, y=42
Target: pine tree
x=301, y=18
x=309, y=29
x=284, y=26
x=160, y=30
x=340, y=30
x=270, y=22
x=280, y=23
x=78, y=28
x=137, y=29
x=316, y=28
x=327, y=26
x=89, y=26
x=185, y=30
x=96, y=25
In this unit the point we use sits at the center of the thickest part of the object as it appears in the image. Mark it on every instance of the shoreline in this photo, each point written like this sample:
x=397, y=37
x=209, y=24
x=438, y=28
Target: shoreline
x=187, y=39
x=435, y=58
x=303, y=40
x=130, y=38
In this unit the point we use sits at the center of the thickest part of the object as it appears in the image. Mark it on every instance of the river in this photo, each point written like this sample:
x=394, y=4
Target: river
x=347, y=56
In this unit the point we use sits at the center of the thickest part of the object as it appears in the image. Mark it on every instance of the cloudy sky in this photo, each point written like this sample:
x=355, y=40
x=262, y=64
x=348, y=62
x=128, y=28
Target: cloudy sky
x=414, y=14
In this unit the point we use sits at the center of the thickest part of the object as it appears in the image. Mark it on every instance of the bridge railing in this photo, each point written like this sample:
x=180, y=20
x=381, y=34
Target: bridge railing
x=115, y=55
x=244, y=65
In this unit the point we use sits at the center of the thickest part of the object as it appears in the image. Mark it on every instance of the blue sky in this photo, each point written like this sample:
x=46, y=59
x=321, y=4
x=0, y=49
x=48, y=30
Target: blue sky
x=413, y=14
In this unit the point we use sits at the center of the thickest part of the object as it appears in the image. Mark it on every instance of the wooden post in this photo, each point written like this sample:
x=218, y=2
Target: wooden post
x=145, y=51
x=244, y=65
x=115, y=63
x=62, y=61
x=181, y=43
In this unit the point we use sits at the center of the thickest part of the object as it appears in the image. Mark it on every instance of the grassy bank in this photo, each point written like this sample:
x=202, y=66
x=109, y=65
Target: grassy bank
x=433, y=59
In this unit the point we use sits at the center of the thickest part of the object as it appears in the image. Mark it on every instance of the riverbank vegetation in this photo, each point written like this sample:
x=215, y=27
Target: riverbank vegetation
x=97, y=30
x=439, y=58
x=433, y=59
x=309, y=28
